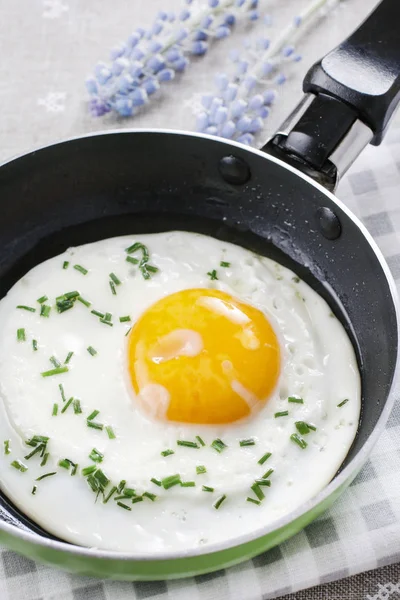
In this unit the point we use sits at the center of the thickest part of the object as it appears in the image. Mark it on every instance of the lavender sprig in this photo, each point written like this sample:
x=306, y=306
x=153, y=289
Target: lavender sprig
x=243, y=101
x=151, y=57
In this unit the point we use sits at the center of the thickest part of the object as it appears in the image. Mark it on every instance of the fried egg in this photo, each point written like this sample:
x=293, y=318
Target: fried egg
x=168, y=391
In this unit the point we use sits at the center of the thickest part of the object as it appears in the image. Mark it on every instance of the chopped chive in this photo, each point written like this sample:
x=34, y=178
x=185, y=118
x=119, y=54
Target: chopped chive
x=121, y=485
x=137, y=499
x=42, y=299
x=167, y=452
x=200, y=469
x=34, y=451
x=187, y=444
x=149, y=495
x=65, y=463
x=266, y=482
x=33, y=492
x=302, y=427
x=92, y=483
x=128, y=331
x=46, y=475
x=102, y=478
x=96, y=456
x=248, y=442
x=110, y=432
x=83, y=301
x=342, y=403
x=108, y=317
x=63, y=304
x=34, y=345
x=91, y=350
x=296, y=279
x=268, y=473
x=206, y=488
x=7, y=447
x=54, y=362
x=21, y=337
x=93, y=415
x=65, y=264
x=129, y=492
x=69, y=356
x=106, y=322
x=74, y=469
x=17, y=464
x=112, y=287
x=125, y=506
x=200, y=440
x=188, y=484
x=212, y=275
x=132, y=260
x=94, y=425
x=45, y=459
x=218, y=445
x=295, y=400
x=55, y=410
x=156, y=481
x=37, y=439
x=28, y=308
x=81, y=269
x=298, y=440
x=170, y=481
x=264, y=458
x=71, y=295
x=110, y=493
x=219, y=501
x=57, y=371
x=258, y=491
x=61, y=388
x=88, y=470
x=77, y=406
x=122, y=497
x=65, y=407
x=312, y=427
x=45, y=310
x=253, y=500
x=97, y=313
x=282, y=413
x=139, y=246
x=124, y=319
x=115, y=279
x=224, y=264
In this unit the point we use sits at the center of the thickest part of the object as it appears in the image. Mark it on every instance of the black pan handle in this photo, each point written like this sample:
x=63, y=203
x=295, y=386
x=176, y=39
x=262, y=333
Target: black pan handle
x=351, y=95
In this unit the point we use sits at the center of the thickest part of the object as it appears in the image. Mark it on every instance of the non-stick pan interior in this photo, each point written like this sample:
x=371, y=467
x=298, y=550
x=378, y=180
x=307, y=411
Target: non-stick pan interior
x=131, y=183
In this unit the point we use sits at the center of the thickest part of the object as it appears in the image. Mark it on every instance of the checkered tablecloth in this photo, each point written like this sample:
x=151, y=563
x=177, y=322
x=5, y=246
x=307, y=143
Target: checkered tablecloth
x=47, y=48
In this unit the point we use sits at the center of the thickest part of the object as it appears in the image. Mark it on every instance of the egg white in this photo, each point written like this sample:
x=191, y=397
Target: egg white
x=318, y=364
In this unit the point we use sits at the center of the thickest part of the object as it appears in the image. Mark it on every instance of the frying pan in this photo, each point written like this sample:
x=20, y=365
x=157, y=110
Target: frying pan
x=276, y=202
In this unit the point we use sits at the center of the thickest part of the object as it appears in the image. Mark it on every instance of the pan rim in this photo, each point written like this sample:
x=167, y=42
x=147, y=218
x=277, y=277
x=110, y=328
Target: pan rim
x=351, y=469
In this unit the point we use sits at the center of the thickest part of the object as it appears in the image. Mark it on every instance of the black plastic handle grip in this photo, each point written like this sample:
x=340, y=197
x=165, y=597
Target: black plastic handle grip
x=364, y=71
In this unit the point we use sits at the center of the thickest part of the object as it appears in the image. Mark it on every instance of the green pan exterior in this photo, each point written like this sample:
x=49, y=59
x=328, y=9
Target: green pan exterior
x=71, y=559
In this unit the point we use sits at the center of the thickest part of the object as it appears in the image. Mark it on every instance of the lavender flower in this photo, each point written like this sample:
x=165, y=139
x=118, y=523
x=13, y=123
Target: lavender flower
x=243, y=100
x=152, y=57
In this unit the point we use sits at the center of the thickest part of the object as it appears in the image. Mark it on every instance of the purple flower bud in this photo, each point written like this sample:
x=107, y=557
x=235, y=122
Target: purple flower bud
x=140, y=31
x=173, y=54
x=157, y=27
x=199, y=48
x=266, y=69
x=213, y=3
x=297, y=21
x=230, y=20
x=206, y=100
x=184, y=15
x=117, y=52
x=240, y=2
x=254, y=15
x=250, y=81
x=215, y=104
x=243, y=124
x=91, y=85
x=136, y=69
x=98, y=108
x=119, y=65
x=138, y=97
x=181, y=34
x=133, y=39
x=206, y=21
x=156, y=63
x=253, y=4
x=124, y=106
x=202, y=121
x=212, y=130
x=234, y=55
x=255, y=125
x=228, y=129
x=269, y=97
x=246, y=139
x=148, y=35
x=166, y=75
x=267, y=20
x=180, y=64
x=200, y=36
x=287, y=51
x=155, y=46
x=151, y=85
x=297, y=57
x=171, y=17
x=221, y=81
x=125, y=83
x=230, y=92
x=102, y=73
x=162, y=15
x=256, y=102
x=189, y=1
x=222, y=31
x=221, y=115
x=137, y=54
x=280, y=80
x=241, y=67
x=237, y=108
x=263, y=43
x=263, y=112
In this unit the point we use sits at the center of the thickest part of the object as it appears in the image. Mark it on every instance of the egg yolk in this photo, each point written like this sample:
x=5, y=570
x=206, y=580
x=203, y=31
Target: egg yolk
x=202, y=356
